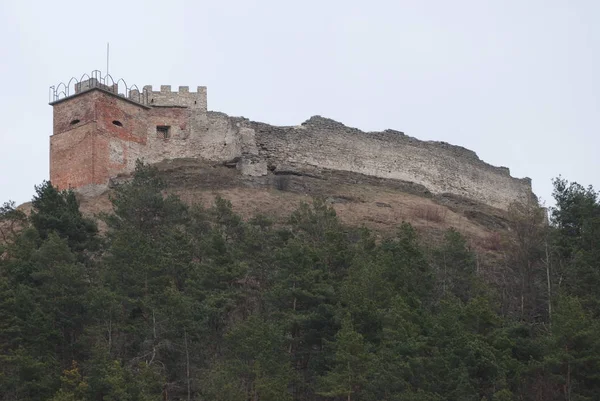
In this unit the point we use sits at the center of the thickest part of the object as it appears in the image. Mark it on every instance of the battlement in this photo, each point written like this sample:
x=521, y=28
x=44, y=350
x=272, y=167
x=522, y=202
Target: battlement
x=147, y=96
x=165, y=97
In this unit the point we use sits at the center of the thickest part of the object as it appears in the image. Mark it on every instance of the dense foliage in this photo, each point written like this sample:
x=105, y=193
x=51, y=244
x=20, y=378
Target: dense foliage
x=177, y=302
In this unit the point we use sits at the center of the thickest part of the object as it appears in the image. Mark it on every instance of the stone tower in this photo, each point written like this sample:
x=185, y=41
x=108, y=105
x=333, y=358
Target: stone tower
x=99, y=133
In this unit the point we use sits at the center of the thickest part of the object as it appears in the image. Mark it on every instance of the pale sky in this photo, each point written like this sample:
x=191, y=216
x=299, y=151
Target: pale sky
x=517, y=81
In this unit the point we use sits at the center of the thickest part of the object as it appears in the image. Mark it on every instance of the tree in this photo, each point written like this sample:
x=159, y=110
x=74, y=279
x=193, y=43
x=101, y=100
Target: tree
x=58, y=211
x=406, y=267
x=455, y=267
x=73, y=385
x=351, y=364
x=399, y=371
x=576, y=219
x=255, y=359
x=529, y=261
x=572, y=361
x=12, y=221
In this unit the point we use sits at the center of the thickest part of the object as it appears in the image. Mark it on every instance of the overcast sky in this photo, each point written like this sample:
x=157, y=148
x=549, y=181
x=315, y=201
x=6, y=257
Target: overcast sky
x=515, y=81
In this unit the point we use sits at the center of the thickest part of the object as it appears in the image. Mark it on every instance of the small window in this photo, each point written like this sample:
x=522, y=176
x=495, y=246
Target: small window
x=117, y=123
x=163, y=131
x=75, y=122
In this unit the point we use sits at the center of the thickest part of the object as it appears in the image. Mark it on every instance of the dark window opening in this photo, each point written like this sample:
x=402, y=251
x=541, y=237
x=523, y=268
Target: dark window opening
x=74, y=122
x=118, y=123
x=163, y=131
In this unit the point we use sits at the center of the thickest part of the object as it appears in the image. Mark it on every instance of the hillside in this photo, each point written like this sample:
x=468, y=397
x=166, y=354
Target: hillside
x=170, y=301
x=378, y=204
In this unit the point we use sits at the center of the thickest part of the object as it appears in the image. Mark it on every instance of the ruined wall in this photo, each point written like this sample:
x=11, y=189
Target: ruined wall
x=112, y=132
x=440, y=167
x=212, y=138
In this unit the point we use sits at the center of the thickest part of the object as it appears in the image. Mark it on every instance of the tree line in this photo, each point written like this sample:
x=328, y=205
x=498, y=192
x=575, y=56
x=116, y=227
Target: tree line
x=178, y=302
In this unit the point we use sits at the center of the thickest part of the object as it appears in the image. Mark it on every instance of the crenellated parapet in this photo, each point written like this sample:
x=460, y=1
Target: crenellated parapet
x=165, y=97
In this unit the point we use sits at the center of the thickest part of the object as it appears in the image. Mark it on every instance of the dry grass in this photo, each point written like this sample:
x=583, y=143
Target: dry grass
x=492, y=242
x=379, y=208
x=431, y=213
x=422, y=213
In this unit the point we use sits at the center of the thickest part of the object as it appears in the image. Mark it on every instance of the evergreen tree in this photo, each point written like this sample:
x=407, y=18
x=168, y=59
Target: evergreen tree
x=576, y=219
x=351, y=364
x=58, y=211
x=180, y=302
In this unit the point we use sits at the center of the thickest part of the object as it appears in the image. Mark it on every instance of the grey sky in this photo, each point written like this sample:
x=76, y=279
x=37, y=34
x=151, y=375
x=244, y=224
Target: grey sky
x=515, y=81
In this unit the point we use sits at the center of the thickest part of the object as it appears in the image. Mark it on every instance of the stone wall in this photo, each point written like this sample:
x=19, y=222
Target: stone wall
x=440, y=167
x=182, y=98
x=110, y=133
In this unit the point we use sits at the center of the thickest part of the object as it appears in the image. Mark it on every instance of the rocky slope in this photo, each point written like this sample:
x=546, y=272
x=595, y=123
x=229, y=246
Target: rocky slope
x=379, y=204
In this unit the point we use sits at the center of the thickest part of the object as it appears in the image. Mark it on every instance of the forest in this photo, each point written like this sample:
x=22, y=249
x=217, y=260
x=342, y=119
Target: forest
x=160, y=300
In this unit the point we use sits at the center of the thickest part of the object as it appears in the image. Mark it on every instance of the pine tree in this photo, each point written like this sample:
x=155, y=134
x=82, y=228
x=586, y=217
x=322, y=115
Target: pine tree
x=58, y=211
x=351, y=364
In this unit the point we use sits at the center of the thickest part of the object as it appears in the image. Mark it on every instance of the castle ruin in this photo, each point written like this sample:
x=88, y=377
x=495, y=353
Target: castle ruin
x=99, y=133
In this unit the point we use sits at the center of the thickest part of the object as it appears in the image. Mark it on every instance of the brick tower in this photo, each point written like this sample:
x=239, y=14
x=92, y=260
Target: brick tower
x=99, y=133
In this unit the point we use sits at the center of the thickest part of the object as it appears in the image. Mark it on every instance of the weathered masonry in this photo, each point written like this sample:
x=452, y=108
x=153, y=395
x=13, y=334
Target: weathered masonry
x=99, y=133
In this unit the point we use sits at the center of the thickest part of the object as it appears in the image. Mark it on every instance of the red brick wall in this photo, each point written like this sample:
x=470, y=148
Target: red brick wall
x=80, y=154
x=72, y=157
x=132, y=117
x=80, y=108
x=131, y=132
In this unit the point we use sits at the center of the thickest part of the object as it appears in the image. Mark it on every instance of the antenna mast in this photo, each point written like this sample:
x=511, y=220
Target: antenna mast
x=107, y=54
